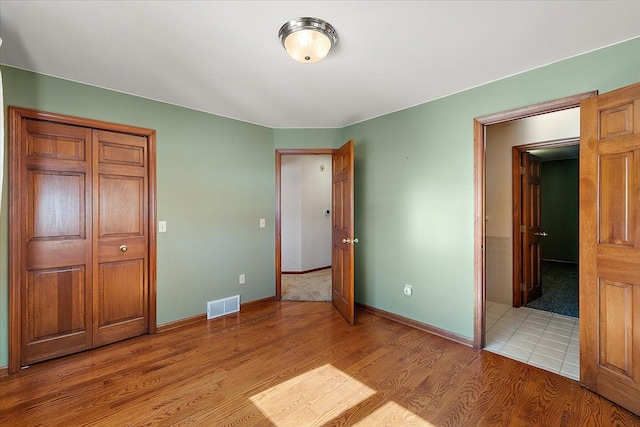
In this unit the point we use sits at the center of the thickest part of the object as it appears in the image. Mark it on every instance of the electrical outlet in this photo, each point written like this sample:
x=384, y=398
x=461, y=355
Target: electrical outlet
x=408, y=291
x=241, y=279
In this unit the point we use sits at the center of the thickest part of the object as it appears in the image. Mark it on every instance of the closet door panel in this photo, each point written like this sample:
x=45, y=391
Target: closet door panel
x=121, y=237
x=56, y=307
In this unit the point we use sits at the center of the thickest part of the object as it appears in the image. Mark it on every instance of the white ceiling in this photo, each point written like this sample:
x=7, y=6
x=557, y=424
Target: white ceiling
x=224, y=57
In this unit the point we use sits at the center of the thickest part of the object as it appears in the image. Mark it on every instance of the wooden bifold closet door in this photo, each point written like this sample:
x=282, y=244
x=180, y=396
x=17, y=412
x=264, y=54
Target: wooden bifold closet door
x=82, y=241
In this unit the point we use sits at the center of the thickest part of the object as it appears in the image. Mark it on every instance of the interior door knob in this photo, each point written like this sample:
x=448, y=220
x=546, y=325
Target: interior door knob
x=123, y=248
x=541, y=233
x=355, y=240
x=347, y=241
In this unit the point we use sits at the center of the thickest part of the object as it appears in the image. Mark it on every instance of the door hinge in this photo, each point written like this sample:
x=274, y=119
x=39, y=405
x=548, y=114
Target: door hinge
x=523, y=228
x=522, y=170
x=523, y=287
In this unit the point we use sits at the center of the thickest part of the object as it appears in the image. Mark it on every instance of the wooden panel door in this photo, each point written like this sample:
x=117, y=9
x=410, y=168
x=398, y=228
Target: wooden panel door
x=610, y=246
x=531, y=218
x=56, y=259
x=120, y=237
x=81, y=247
x=342, y=294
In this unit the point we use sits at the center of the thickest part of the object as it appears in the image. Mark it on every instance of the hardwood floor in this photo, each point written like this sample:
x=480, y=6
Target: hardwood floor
x=297, y=364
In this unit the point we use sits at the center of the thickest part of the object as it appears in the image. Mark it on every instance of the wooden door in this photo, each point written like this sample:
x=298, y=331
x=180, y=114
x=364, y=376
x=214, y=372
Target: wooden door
x=532, y=231
x=610, y=246
x=54, y=201
x=82, y=248
x=120, y=237
x=343, y=240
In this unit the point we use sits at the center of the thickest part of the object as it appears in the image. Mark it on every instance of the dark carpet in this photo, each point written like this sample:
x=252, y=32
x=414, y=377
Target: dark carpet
x=559, y=289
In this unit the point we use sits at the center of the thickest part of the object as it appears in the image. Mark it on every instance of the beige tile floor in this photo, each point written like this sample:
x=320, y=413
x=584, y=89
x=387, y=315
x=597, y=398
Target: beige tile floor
x=547, y=340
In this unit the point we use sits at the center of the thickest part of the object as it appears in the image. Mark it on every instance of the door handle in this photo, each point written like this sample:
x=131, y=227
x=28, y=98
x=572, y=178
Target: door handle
x=348, y=241
x=123, y=248
x=540, y=233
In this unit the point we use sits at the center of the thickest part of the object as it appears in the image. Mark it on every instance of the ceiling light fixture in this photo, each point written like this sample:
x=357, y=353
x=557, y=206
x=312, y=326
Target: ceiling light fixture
x=307, y=40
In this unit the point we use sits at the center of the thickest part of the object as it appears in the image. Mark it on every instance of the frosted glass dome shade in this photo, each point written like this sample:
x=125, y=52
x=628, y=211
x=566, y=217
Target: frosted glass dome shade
x=307, y=40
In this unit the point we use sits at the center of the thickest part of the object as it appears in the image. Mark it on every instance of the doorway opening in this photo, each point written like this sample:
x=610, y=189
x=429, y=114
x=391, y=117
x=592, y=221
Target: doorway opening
x=290, y=165
x=532, y=282
x=484, y=220
x=305, y=224
x=342, y=226
x=545, y=226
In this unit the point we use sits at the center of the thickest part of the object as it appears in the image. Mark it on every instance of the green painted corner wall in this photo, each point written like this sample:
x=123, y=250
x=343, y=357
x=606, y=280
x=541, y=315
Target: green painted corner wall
x=215, y=180
x=414, y=191
x=414, y=188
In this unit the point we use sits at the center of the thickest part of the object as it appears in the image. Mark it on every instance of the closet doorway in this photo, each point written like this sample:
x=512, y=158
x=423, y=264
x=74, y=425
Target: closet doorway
x=82, y=234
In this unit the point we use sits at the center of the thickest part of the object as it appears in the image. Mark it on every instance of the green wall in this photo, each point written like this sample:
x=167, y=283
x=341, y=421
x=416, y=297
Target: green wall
x=414, y=188
x=559, y=209
x=215, y=180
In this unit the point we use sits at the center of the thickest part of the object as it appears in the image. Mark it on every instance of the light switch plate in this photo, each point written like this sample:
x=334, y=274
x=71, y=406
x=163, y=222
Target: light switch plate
x=162, y=226
x=263, y=223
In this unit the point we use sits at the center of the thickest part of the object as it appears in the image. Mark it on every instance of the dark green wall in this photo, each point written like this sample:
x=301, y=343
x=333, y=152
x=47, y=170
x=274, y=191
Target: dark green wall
x=559, y=206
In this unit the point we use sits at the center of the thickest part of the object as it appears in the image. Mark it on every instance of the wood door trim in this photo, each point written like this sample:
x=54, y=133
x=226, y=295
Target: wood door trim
x=279, y=153
x=479, y=167
x=16, y=258
x=516, y=155
x=153, y=220
x=79, y=121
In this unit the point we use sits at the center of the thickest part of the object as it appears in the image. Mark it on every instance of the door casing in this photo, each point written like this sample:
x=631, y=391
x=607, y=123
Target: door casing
x=16, y=115
x=479, y=141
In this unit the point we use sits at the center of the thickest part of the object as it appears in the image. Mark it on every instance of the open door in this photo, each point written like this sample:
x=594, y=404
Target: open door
x=342, y=293
x=531, y=285
x=610, y=246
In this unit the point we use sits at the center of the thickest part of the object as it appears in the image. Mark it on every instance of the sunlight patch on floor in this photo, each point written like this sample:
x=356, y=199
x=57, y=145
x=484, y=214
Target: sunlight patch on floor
x=322, y=394
x=392, y=414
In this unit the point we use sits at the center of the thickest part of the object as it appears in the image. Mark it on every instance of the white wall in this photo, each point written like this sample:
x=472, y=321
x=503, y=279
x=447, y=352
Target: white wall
x=305, y=196
x=291, y=213
x=500, y=138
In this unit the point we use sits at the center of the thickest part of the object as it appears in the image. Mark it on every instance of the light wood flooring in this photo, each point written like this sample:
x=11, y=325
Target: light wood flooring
x=297, y=364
